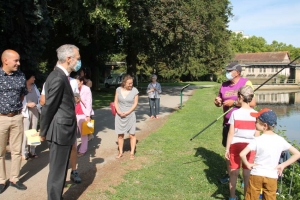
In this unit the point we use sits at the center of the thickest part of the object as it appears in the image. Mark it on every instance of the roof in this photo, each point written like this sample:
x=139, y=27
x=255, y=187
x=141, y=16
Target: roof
x=263, y=57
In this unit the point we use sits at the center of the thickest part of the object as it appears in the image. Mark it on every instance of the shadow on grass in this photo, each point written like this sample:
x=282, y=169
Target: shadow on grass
x=216, y=168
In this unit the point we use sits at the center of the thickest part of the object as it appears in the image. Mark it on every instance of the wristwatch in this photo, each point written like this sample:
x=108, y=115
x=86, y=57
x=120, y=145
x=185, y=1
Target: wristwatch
x=234, y=103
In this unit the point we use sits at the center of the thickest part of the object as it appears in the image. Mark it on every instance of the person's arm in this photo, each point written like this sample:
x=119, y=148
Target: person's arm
x=136, y=100
x=54, y=97
x=158, y=88
x=42, y=99
x=229, y=140
x=117, y=103
x=243, y=155
x=88, y=104
x=149, y=88
x=257, y=133
x=295, y=156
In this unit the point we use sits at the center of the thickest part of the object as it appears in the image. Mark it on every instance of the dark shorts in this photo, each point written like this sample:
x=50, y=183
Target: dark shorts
x=225, y=134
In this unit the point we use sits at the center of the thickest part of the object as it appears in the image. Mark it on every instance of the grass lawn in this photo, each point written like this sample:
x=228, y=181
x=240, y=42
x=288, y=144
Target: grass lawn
x=176, y=167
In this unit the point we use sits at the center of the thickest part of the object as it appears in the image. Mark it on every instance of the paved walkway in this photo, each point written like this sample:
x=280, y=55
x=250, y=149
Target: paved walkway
x=101, y=150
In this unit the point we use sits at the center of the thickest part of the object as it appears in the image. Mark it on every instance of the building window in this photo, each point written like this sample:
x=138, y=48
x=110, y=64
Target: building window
x=276, y=69
x=273, y=97
x=252, y=69
x=262, y=97
x=249, y=69
x=265, y=69
x=260, y=69
x=272, y=69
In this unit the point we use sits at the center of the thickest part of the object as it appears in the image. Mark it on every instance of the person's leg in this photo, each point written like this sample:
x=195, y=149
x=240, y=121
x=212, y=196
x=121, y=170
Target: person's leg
x=26, y=124
x=151, y=104
x=254, y=186
x=120, y=144
x=34, y=123
x=132, y=145
x=4, y=128
x=84, y=138
x=73, y=161
x=225, y=178
x=246, y=172
x=269, y=188
x=15, y=142
x=235, y=163
x=58, y=164
x=234, y=173
x=156, y=102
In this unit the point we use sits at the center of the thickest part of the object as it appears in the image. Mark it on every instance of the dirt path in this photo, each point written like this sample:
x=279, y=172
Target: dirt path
x=98, y=168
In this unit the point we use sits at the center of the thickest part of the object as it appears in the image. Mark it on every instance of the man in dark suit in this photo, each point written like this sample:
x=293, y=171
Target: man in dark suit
x=58, y=119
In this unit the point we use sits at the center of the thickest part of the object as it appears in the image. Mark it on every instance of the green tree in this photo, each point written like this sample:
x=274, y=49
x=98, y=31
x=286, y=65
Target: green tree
x=24, y=27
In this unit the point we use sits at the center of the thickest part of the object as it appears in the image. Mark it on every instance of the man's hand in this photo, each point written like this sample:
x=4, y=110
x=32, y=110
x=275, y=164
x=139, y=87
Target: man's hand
x=218, y=101
x=88, y=118
x=280, y=169
x=31, y=105
x=228, y=103
x=227, y=155
x=42, y=138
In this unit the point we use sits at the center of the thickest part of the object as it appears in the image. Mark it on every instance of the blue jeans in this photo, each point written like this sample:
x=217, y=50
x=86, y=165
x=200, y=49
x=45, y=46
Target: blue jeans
x=154, y=106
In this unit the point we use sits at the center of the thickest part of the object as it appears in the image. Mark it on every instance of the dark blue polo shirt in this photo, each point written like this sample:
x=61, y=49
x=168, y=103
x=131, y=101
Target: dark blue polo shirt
x=12, y=87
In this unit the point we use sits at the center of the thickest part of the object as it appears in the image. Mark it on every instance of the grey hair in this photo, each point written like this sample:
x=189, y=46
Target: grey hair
x=65, y=51
x=154, y=76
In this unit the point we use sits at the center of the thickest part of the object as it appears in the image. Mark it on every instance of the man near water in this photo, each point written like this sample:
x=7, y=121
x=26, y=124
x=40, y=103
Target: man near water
x=228, y=99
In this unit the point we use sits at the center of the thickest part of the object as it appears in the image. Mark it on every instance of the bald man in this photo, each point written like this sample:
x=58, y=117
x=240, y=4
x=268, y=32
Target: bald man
x=12, y=92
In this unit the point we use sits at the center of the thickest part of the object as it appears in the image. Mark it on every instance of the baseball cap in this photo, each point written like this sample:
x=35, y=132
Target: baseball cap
x=246, y=90
x=234, y=66
x=267, y=116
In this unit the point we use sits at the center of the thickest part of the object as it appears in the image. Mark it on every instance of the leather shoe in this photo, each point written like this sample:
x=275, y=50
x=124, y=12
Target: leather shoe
x=18, y=185
x=2, y=187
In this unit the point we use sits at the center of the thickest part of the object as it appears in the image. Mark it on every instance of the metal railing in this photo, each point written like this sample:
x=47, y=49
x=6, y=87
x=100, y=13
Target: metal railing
x=181, y=94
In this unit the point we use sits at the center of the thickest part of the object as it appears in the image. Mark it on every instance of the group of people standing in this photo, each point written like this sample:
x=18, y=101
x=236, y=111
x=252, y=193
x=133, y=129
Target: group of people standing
x=62, y=106
x=248, y=136
x=22, y=105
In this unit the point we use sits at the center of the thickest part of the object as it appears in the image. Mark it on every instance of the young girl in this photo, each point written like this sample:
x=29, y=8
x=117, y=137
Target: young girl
x=268, y=147
x=241, y=132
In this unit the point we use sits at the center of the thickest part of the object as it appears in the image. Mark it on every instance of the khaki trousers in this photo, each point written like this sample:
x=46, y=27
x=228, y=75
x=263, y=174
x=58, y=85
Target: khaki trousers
x=256, y=183
x=12, y=127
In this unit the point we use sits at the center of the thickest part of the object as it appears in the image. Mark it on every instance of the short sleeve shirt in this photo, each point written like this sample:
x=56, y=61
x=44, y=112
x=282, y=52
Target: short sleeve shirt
x=12, y=87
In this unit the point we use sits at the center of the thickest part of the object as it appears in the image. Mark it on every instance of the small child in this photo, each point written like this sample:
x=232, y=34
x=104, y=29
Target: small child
x=241, y=132
x=268, y=147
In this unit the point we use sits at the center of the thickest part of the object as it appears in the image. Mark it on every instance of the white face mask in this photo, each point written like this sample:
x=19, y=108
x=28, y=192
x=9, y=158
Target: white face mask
x=229, y=76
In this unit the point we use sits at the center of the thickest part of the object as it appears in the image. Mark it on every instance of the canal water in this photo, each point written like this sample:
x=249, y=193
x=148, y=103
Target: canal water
x=286, y=104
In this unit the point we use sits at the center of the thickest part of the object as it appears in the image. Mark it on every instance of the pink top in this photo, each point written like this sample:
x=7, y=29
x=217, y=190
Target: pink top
x=229, y=92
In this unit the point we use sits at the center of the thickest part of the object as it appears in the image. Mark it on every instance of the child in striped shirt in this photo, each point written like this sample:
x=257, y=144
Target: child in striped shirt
x=242, y=130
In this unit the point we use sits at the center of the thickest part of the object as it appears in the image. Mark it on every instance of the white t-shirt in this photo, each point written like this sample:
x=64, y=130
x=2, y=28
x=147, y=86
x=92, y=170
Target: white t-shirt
x=268, y=150
x=244, y=125
x=73, y=83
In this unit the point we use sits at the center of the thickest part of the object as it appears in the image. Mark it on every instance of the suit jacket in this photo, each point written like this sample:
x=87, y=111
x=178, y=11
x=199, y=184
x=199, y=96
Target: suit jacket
x=58, y=119
x=86, y=100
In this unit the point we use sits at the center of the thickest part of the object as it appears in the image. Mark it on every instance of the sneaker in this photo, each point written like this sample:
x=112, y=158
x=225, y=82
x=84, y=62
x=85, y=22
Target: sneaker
x=236, y=198
x=75, y=177
x=225, y=179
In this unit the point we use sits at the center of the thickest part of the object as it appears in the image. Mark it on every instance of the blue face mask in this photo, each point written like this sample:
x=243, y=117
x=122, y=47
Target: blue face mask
x=229, y=76
x=78, y=66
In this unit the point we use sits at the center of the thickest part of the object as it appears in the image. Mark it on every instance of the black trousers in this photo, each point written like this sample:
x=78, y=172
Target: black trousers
x=58, y=166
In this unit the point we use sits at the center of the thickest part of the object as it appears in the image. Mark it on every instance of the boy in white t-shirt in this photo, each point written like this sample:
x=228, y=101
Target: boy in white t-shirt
x=265, y=169
x=241, y=132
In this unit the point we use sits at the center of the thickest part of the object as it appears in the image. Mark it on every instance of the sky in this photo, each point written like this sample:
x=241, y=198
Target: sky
x=271, y=19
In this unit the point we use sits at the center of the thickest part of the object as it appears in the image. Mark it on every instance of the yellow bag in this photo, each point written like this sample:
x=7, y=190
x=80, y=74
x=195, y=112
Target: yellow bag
x=86, y=128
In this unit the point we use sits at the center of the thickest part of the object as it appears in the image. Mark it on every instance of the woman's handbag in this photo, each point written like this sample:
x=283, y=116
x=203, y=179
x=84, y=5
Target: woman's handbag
x=113, y=108
x=87, y=127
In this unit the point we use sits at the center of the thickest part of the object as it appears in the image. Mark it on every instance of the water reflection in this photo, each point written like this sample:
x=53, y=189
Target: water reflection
x=286, y=104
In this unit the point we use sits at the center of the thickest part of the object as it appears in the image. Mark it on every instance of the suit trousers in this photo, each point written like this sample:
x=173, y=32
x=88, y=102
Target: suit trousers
x=58, y=166
x=11, y=127
x=154, y=106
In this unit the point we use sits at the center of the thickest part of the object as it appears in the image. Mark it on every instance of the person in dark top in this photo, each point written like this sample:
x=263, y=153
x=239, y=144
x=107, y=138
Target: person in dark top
x=12, y=92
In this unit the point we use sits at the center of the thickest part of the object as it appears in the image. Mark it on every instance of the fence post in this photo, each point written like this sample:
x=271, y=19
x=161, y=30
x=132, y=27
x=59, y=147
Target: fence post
x=181, y=94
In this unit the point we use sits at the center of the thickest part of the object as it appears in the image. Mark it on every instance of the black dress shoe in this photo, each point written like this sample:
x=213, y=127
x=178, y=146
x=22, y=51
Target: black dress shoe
x=2, y=187
x=18, y=185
